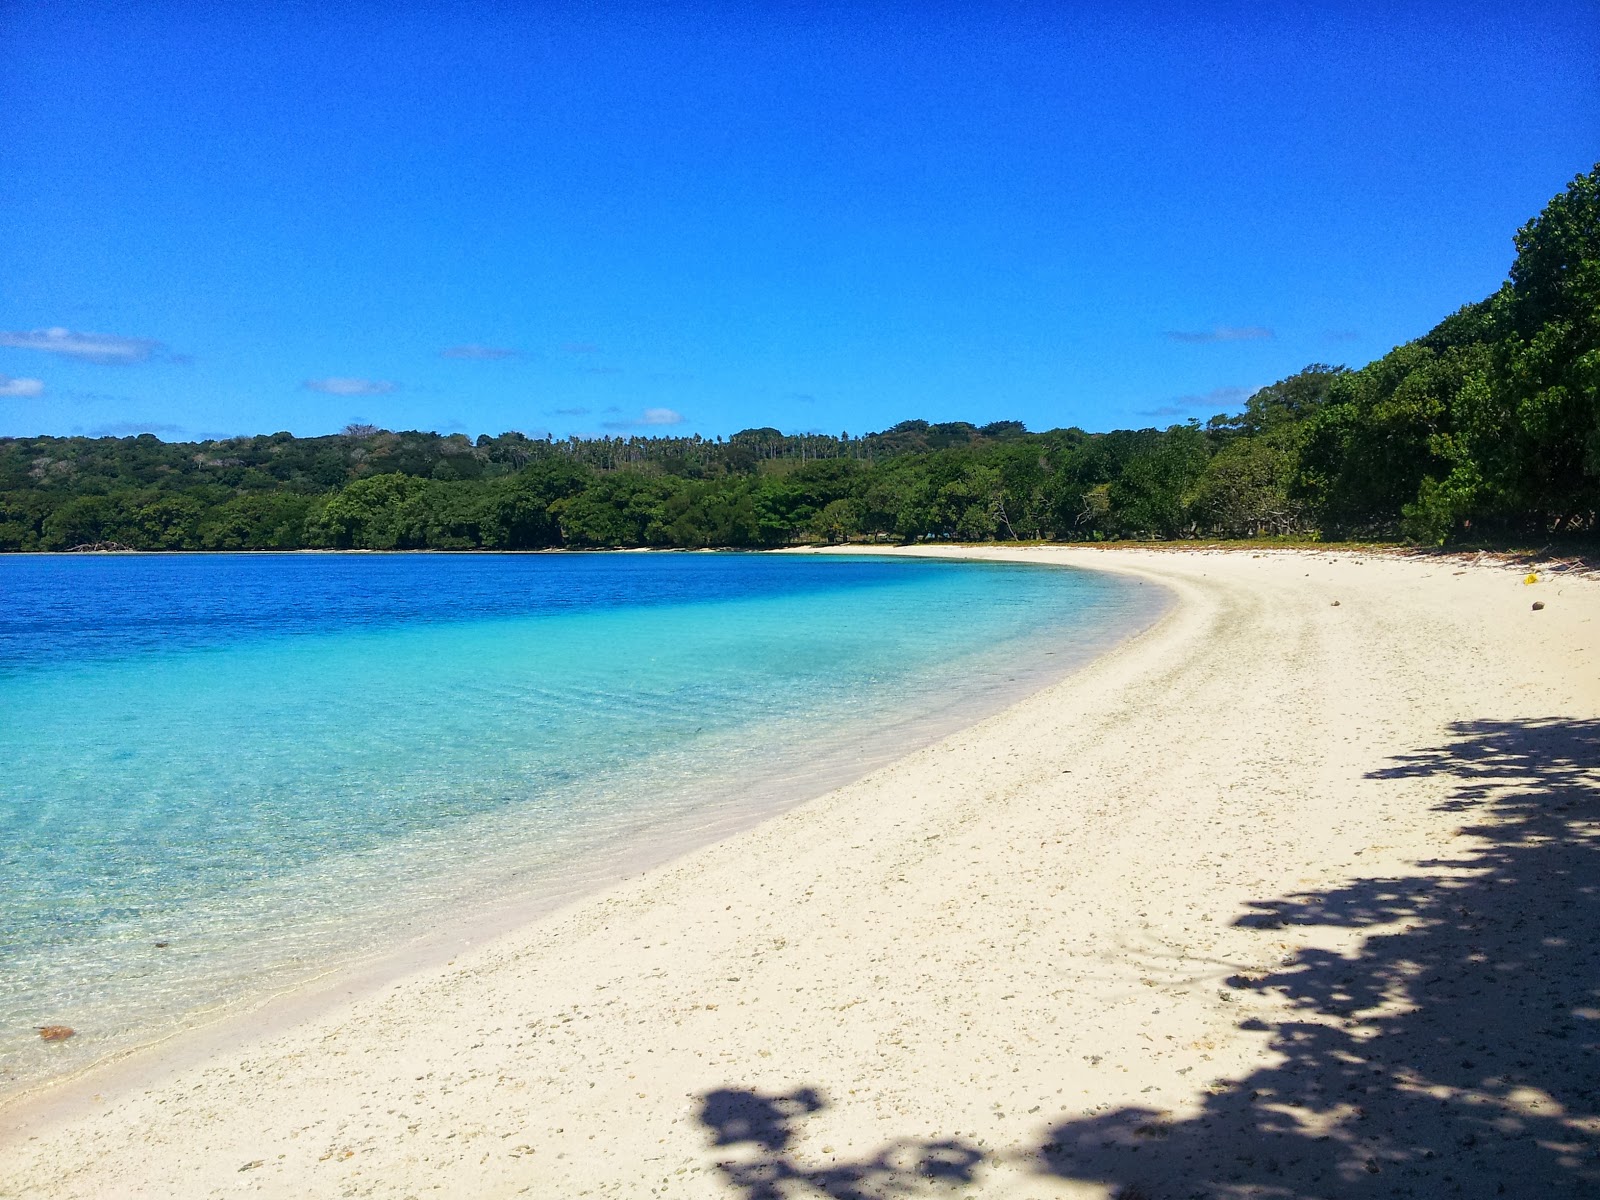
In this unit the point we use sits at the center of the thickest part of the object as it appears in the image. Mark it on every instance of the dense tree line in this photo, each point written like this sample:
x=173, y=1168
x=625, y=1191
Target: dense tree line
x=1487, y=426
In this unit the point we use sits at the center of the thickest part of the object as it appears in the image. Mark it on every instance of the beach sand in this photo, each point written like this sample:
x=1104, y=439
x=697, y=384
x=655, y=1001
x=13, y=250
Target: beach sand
x=1293, y=895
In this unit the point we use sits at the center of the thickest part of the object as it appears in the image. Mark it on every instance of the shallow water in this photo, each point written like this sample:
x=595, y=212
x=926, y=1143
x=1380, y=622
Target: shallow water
x=225, y=771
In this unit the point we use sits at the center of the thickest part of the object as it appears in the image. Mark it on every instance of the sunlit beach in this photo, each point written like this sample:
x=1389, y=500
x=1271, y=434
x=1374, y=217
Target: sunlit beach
x=799, y=603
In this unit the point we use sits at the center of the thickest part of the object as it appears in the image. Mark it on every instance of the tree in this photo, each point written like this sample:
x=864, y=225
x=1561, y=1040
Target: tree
x=519, y=514
x=1154, y=490
x=258, y=521
x=1245, y=490
x=621, y=508
x=839, y=520
x=370, y=514
x=80, y=521
x=1488, y=424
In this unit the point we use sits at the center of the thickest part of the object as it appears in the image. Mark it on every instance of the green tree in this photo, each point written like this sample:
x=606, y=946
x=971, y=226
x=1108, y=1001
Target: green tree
x=165, y=523
x=1153, y=492
x=258, y=521
x=839, y=520
x=518, y=513
x=621, y=508
x=82, y=520
x=369, y=514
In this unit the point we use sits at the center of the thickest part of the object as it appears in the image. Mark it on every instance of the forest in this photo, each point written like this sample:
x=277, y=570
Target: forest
x=1485, y=429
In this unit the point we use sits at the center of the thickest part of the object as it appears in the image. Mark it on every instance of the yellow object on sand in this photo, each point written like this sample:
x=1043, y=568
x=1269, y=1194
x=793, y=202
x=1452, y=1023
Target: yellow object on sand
x=1532, y=578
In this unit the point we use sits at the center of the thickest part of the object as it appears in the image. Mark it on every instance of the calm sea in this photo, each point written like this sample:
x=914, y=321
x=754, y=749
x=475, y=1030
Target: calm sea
x=224, y=772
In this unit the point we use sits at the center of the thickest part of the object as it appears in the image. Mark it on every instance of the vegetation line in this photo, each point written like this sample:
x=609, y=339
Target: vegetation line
x=1485, y=428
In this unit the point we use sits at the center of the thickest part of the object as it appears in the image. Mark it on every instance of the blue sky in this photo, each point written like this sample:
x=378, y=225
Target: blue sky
x=240, y=218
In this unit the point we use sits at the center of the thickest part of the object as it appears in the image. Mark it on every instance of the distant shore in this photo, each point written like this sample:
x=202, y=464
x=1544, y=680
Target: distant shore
x=1134, y=931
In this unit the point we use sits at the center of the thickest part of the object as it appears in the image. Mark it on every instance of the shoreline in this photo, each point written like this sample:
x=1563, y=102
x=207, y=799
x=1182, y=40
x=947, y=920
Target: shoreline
x=497, y=909
x=972, y=956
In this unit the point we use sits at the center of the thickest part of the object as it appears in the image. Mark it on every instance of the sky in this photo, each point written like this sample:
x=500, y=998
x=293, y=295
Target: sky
x=221, y=219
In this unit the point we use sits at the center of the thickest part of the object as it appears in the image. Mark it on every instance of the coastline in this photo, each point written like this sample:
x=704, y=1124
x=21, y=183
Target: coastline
x=501, y=882
x=1023, y=925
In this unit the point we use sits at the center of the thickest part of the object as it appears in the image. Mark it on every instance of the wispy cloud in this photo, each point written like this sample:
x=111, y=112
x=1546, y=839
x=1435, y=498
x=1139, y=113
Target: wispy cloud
x=1222, y=333
x=650, y=417
x=801, y=397
x=20, y=387
x=479, y=353
x=106, y=348
x=339, y=385
x=571, y=412
x=1216, y=400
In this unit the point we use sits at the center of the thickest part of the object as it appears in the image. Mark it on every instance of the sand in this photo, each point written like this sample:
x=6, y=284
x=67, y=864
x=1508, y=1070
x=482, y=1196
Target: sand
x=1293, y=895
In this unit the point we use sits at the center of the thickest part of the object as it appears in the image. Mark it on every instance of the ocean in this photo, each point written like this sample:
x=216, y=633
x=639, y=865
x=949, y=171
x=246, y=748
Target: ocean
x=224, y=774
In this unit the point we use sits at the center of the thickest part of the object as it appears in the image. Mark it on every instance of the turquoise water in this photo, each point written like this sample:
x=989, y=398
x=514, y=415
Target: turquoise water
x=272, y=763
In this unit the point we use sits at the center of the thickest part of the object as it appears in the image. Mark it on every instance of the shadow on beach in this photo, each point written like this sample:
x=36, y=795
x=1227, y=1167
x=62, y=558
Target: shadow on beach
x=1479, y=1075
x=762, y=1126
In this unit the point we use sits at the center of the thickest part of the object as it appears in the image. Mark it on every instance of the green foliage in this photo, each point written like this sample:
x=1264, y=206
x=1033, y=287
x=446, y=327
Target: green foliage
x=258, y=521
x=377, y=513
x=1487, y=424
x=1490, y=423
x=1155, y=489
x=623, y=508
x=1247, y=489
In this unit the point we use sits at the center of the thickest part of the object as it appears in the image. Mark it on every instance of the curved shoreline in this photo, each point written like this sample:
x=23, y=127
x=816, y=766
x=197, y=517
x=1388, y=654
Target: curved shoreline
x=1001, y=937
x=515, y=902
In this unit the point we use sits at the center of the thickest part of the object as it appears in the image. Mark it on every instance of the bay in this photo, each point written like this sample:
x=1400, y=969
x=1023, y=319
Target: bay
x=224, y=773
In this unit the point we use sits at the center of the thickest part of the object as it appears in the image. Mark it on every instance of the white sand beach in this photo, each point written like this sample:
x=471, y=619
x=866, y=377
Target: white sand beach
x=1293, y=895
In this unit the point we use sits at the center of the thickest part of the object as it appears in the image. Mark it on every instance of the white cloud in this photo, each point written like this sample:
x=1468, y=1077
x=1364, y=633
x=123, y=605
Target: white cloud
x=90, y=347
x=339, y=385
x=20, y=387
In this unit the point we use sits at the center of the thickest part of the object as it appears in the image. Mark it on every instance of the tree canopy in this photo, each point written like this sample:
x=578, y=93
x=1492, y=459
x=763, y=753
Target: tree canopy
x=1487, y=426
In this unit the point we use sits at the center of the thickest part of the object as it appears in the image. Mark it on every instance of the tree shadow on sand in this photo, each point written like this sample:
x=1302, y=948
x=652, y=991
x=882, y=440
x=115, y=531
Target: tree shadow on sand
x=1483, y=1078
x=1479, y=1076
x=762, y=1128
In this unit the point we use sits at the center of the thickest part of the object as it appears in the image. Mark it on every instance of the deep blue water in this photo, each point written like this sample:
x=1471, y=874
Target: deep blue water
x=269, y=762
x=75, y=608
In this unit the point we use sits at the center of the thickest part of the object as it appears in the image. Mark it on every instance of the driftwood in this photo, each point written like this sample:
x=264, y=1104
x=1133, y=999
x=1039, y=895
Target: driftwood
x=98, y=548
